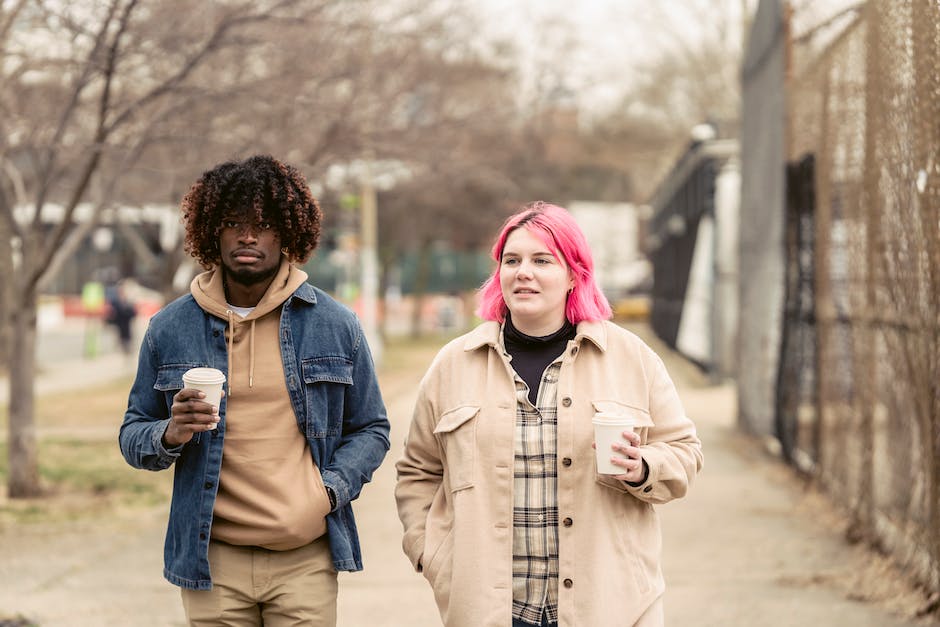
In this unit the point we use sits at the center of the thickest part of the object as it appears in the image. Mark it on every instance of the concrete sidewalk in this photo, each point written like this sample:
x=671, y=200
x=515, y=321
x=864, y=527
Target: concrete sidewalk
x=61, y=364
x=76, y=373
x=746, y=547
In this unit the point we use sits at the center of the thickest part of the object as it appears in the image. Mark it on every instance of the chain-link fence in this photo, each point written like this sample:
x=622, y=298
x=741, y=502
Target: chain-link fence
x=858, y=396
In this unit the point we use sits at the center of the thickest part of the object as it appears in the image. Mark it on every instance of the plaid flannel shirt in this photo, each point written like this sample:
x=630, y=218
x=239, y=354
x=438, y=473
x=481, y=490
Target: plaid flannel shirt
x=535, y=501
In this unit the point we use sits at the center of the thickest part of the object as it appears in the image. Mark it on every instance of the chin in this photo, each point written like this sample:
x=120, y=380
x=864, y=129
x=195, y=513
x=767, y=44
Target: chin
x=524, y=313
x=250, y=277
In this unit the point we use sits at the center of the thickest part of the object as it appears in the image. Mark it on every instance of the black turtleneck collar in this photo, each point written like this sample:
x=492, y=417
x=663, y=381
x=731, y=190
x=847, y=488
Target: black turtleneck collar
x=510, y=332
x=532, y=355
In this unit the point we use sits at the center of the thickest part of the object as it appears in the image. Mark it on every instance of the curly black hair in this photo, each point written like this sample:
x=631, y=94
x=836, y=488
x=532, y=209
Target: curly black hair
x=259, y=188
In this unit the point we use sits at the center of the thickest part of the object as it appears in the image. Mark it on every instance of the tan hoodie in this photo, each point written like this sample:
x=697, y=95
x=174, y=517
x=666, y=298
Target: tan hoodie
x=270, y=491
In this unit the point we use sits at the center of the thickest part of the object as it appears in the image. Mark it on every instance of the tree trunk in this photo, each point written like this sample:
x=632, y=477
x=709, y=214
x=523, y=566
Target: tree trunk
x=5, y=299
x=420, y=288
x=6, y=293
x=23, y=480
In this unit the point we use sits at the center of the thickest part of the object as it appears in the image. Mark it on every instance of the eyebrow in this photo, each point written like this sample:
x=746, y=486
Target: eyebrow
x=509, y=253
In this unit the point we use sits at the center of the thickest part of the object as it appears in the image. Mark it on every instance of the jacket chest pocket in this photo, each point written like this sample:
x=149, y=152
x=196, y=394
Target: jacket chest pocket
x=170, y=381
x=326, y=381
x=457, y=432
x=640, y=415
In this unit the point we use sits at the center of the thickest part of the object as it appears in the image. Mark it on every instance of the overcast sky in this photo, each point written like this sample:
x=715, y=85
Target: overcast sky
x=609, y=40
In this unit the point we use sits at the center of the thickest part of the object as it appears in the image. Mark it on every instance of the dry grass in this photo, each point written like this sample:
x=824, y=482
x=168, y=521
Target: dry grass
x=81, y=468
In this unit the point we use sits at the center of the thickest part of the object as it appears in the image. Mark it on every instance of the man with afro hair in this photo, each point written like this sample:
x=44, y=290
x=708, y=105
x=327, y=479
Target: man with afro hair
x=260, y=521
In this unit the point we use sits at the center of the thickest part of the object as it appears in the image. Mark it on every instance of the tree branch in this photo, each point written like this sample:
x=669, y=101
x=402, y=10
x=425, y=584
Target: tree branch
x=211, y=45
x=7, y=19
x=48, y=160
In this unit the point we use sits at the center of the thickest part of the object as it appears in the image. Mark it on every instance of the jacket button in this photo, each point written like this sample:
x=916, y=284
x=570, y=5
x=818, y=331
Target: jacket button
x=568, y=583
x=567, y=522
x=574, y=351
x=566, y=401
x=215, y=333
x=202, y=536
x=208, y=485
x=648, y=488
x=566, y=461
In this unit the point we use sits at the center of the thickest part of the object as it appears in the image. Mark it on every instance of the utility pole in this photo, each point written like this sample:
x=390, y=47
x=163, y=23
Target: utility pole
x=368, y=229
x=369, y=281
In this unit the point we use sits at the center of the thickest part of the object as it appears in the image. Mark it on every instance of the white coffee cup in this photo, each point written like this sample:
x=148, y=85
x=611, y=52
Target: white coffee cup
x=608, y=429
x=209, y=381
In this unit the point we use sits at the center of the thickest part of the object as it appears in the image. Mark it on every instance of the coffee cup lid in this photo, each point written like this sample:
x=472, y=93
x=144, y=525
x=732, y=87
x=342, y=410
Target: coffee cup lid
x=204, y=375
x=607, y=418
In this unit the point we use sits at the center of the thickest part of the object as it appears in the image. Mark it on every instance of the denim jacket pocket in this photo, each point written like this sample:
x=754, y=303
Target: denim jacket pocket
x=326, y=380
x=170, y=380
x=457, y=432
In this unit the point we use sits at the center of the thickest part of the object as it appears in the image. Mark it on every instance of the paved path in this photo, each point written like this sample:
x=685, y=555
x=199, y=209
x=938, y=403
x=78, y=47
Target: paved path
x=61, y=362
x=747, y=547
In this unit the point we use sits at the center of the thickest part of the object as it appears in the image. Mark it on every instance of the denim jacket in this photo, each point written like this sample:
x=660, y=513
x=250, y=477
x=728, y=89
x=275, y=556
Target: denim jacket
x=333, y=389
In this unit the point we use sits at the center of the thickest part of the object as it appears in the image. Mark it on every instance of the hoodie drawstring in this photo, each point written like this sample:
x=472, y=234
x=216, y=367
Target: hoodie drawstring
x=251, y=356
x=231, y=346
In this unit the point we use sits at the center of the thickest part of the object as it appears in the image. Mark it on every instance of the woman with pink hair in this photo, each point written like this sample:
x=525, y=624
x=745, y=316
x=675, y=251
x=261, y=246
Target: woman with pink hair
x=503, y=508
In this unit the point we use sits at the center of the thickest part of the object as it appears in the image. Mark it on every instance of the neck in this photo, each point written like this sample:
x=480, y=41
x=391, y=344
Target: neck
x=242, y=295
x=538, y=328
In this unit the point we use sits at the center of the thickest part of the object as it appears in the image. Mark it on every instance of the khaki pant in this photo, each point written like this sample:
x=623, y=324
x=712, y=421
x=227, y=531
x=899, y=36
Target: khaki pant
x=255, y=586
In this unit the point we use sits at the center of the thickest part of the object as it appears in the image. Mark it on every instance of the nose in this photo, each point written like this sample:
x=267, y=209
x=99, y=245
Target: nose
x=248, y=232
x=524, y=270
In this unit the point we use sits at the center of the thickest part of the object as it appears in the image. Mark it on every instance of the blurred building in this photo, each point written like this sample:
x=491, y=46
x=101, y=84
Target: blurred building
x=125, y=241
x=692, y=242
x=613, y=231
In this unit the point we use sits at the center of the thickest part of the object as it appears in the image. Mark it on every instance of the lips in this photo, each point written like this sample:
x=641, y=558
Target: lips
x=247, y=252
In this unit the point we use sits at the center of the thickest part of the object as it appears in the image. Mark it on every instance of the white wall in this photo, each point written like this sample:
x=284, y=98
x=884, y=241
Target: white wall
x=612, y=231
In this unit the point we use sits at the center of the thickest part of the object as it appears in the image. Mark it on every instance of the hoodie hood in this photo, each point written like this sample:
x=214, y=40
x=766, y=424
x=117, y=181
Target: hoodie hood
x=209, y=292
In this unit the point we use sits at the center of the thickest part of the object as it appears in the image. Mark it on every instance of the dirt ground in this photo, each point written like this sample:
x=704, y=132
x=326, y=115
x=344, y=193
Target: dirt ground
x=750, y=545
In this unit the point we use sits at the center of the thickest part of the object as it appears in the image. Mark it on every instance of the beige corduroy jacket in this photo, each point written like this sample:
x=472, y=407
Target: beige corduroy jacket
x=455, y=479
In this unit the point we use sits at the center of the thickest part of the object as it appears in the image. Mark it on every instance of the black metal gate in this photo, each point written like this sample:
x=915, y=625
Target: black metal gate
x=796, y=421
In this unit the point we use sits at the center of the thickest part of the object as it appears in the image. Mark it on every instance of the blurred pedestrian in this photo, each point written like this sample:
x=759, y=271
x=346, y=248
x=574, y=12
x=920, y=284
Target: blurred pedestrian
x=120, y=312
x=503, y=509
x=260, y=520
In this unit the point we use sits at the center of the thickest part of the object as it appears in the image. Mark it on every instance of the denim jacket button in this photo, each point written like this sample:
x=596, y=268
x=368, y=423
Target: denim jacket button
x=208, y=485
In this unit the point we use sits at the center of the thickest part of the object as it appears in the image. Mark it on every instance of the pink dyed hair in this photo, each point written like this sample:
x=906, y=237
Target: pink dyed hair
x=555, y=227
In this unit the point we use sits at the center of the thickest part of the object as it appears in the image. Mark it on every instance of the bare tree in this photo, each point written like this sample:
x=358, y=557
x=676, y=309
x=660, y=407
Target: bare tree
x=11, y=184
x=84, y=82
x=688, y=75
x=127, y=101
